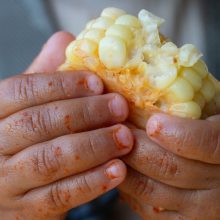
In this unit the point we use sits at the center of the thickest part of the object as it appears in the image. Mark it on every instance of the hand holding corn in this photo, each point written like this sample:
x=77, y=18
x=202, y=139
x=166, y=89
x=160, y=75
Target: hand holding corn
x=174, y=172
x=134, y=59
x=45, y=169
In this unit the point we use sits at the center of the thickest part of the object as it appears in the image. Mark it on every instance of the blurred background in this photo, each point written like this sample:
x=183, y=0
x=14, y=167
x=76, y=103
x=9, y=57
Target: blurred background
x=26, y=25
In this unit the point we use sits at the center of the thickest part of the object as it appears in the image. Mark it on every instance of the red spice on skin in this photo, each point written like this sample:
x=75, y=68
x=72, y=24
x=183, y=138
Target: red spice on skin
x=50, y=84
x=66, y=196
x=110, y=176
x=171, y=167
x=104, y=188
x=156, y=129
x=58, y=152
x=83, y=82
x=134, y=208
x=67, y=123
x=158, y=209
x=17, y=218
x=77, y=157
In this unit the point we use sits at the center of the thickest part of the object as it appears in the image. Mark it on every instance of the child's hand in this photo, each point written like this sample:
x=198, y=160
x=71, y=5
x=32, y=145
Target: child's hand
x=54, y=152
x=176, y=174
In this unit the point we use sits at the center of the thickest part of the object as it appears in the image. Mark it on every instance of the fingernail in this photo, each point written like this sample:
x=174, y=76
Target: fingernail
x=95, y=84
x=154, y=127
x=123, y=137
x=118, y=106
x=113, y=171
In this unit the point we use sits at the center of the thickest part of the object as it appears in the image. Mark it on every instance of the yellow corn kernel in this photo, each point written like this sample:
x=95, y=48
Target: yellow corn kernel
x=186, y=110
x=188, y=55
x=120, y=31
x=208, y=90
x=95, y=35
x=200, y=100
x=102, y=23
x=112, y=52
x=180, y=91
x=128, y=20
x=89, y=47
x=81, y=35
x=112, y=13
x=70, y=50
x=90, y=23
x=192, y=77
x=201, y=69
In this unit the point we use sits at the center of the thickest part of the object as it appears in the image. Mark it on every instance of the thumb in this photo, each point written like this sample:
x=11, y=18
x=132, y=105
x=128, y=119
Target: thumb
x=52, y=54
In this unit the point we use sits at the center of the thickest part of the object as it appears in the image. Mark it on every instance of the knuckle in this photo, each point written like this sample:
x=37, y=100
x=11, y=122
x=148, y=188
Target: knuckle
x=60, y=195
x=64, y=87
x=92, y=147
x=86, y=114
x=143, y=187
x=83, y=186
x=167, y=166
x=24, y=89
x=46, y=162
x=39, y=121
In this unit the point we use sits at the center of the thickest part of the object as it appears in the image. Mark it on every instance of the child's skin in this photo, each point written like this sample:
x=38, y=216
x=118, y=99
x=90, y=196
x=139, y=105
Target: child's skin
x=44, y=173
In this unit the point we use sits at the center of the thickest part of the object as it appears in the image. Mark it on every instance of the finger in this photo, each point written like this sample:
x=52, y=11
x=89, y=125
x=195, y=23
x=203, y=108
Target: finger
x=214, y=119
x=52, y=54
x=46, y=122
x=193, y=139
x=147, y=212
x=151, y=160
x=67, y=155
x=23, y=91
x=156, y=194
x=71, y=192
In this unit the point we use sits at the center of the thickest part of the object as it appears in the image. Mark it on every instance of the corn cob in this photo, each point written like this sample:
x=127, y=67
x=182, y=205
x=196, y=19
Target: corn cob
x=134, y=59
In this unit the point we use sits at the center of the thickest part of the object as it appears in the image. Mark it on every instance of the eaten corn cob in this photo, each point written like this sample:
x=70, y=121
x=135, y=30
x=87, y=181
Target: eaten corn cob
x=134, y=59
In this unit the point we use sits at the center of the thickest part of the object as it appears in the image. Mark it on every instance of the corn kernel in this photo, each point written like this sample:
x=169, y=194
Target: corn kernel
x=95, y=35
x=102, y=23
x=180, y=91
x=186, y=110
x=188, y=55
x=201, y=68
x=70, y=49
x=200, y=100
x=81, y=35
x=90, y=23
x=208, y=90
x=170, y=49
x=128, y=20
x=120, y=31
x=89, y=47
x=162, y=81
x=192, y=77
x=112, y=52
x=112, y=13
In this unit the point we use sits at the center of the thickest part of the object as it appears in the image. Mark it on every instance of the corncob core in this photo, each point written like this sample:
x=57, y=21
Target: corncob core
x=134, y=59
